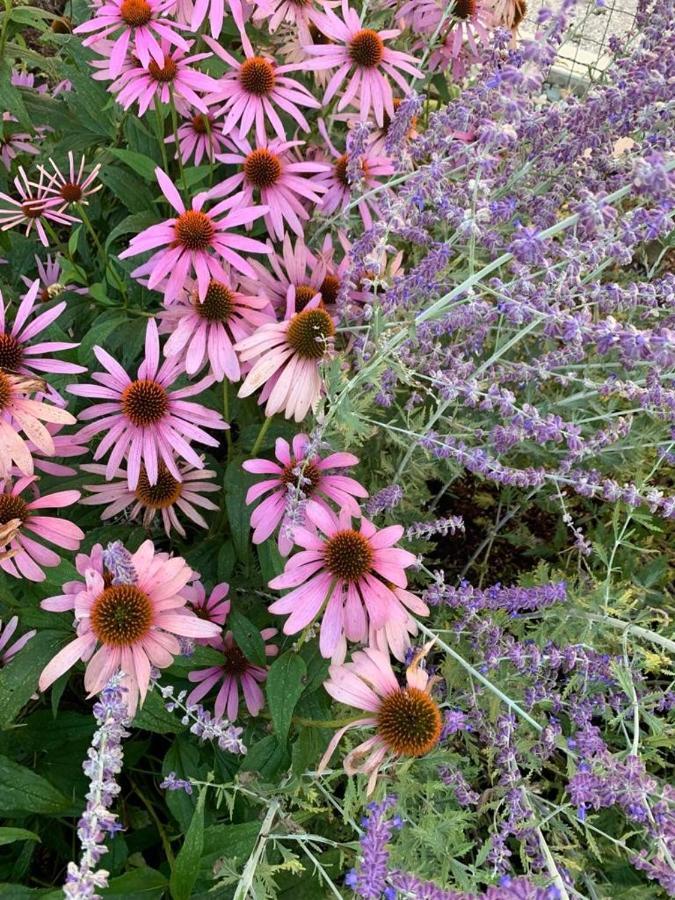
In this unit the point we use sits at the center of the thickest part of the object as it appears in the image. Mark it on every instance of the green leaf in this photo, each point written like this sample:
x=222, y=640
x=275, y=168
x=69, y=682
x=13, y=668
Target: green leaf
x=186, y=867
x=104, y=325
x=226, y=561
x=234, y=841
x=19, y=678
x=153, y=716
x=132, y=224
x=23, y=790
x=237, y=483
x=284, y=686
x=10, y=835
x=271, y=561
x=141, y=164
x=146, y=882
x=267, y=756
x=11, y=97
x=247, y=638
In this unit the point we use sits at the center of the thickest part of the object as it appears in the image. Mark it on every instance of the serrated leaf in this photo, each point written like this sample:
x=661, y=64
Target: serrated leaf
x=284, y=686
x=186, y=866
x=247, y=637
x=139, y=162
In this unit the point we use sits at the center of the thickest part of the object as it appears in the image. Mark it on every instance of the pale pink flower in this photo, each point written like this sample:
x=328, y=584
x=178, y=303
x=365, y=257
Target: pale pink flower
x=65, y=447
x=284, y=183
x=34, y=205
x=191, y=239
x=294, y=266
x=205, y=331
x=29, y=556
x=300, y=14
x=13, y=142
x=253, y=88
x=8, y=651
x=19, y=413
x=157, y=81
x=213, y=608
x=351, y=573
x=73, y=186
x=18, y=350
x=168, y=496
x=340, y=192
x=195, y=13
x=138, y=25
x=361, y=55
x=295, y=476
x=469, y=25
x=198, y=137
x=406, y=720
x=288, y=356
x=236, y=671
x=395, y=638
x=143, y=420
x=421, y=16
x=134, y=626
x=49, y=276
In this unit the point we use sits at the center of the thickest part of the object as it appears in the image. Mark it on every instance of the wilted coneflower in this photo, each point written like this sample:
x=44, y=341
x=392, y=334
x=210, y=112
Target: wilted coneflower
x=34, y=205
x=253, y=88
x=346, y=576
x=236, y=671
x=158, y=82
x=28, y=556
x=305, y=476
x=191, y=239
x=407, y=720
x=167, y=497
x=143, y=420
x=138, y=25
x=73, y=186
x=205, y=331
x=361, y=55
x=284, y=183
x=134, y=625
x=287, y=358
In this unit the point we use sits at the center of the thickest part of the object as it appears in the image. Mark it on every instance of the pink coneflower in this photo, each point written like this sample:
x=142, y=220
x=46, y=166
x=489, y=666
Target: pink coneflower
x=252, y=90
x=168, y=496
x=301, y=14
x=281, y=181
x=361, y=55
x=30, y=556
x=340, y=191
x=205, y=332
x=142, y=419
x=297, y=476
x=287, y=358
x=73, y=186
x=19, y=413
x=407, y=720
x=14, y=142
x=458, y=50
x=194, y=14
x=213, y=608
x=295, y=266
x=200, y=138
x=189, y=239
x=34, y=205
x=65, y=447
x=421, y=16
x=18, y=353
x=27, y=80
x=49, y=276
x=135, y=626
x=236, y=671
x=157, y=81
x=140, y=24
x=353, y=573
x=8, y=651
x=394, y=637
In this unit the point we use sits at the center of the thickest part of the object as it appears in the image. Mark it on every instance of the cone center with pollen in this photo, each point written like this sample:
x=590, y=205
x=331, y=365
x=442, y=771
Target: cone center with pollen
x=218, y=304
x=121, y=615
x=409, y=722
x=160, y=495
x=201, y=124
x=33, y=209
x=71, y=192
x=144, y=402
x=164, y=73
x=340, y=169
x=5, y=390
x=348, y=555
x=307, y=479
x=234, y=661
x=303, y=294
x=464, y=9
x=262, y=169
x=136, y=13
x=12, y=507
x=256, y=76
x=309, y=331
x=329, y=289
x=194, y=230
x=11, y=353
x=366, y=48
